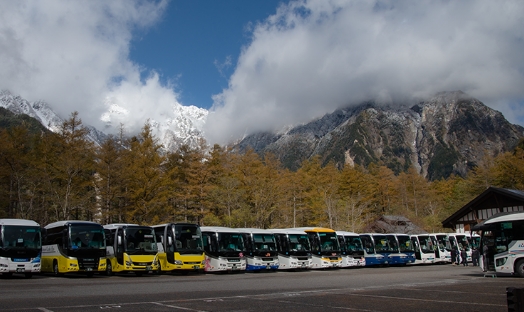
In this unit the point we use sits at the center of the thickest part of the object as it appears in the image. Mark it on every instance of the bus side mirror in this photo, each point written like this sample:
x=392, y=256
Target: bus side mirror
x=119, y=240
x=170, y=241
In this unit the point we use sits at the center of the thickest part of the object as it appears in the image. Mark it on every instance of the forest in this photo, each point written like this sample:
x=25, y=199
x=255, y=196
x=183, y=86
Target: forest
x=49, y=177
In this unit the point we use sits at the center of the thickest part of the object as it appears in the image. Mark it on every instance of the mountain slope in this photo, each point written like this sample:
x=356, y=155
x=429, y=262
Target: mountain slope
x=440, y=136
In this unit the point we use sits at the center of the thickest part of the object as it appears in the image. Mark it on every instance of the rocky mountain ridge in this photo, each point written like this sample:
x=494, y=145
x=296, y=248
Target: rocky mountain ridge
x=444, y=135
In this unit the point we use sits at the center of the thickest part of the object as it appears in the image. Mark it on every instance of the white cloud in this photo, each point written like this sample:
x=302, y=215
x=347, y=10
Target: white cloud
x=73, y=54
x=312, y=57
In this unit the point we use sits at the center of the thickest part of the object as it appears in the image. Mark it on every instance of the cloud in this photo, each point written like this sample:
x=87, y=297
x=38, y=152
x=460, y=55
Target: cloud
x=73, y=54
x=312, y=57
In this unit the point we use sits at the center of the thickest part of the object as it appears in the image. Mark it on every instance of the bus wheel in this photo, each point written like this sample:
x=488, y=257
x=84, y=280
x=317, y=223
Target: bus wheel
x=519, y=268
x=159, y=270
x=28, y=275
x=109, y=268
x=56, y=272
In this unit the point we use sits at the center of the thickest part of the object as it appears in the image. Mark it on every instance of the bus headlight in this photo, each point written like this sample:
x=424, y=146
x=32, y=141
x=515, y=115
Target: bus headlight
x=178, y=262
x=2, y=265
x=501, y=261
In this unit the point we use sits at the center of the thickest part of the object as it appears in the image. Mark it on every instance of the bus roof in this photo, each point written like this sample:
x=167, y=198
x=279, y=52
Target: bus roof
x=120, y=225
x=287, y=231
x=507, y=217
x=253, y=230
x=346, y=233
x=174, y=223
x=218, y=229
x=314, y=229
x=18, y=222
x=67, y=222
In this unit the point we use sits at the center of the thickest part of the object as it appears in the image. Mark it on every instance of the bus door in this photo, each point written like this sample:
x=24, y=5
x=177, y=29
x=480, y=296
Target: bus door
x=119, y=252
x=436, y=247
x=170, y=246
x=416, y=246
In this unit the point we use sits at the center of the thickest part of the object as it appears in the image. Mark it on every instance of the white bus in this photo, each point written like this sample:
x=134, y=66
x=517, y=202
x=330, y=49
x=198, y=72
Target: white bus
x=460, y=241
x=325, y=249
x=294, y=249
x=131, y=248
x=261, y=249
x=406, y=252
x=442, y=247
x=373, y=258
x=20, y=247
x=74, y=246
x=224, y=249
x=502, y=243
x=351, y=249
x=424, y=251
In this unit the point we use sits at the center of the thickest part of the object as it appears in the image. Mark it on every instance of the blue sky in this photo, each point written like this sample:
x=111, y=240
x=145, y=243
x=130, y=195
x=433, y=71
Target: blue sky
x=196, y=44
x=257, y=65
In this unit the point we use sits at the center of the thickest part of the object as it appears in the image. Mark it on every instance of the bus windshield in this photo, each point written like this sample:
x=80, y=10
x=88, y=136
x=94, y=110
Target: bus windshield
x=21, y=237
x=367, y=244
x=354, y=245
x=140, y=241
x=188, y=239
x=230, y=242
x=405, y=244
x=392, y=243
x=264, y=242
x=443, y=242
x=299, y=242
x=426, y=245
x=86, y=237
x=381, y=243
x=328, y=241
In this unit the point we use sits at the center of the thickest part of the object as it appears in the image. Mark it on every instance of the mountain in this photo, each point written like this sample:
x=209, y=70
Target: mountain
x=182, y=126
x=444, y=135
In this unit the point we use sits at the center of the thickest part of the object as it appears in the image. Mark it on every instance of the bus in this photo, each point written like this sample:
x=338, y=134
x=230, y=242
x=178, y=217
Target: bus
x=261, y=249
x=502, y=243
x=373, y=258
x=74, y=246
x=460, y=241
x=224, y=249
x=131, y=248
x=20, y=247
x=294, y=249
x=325, y=249
x=180, y=247
x=406, y=247
x=351, y=249
x=424, y=251
x=442, y=247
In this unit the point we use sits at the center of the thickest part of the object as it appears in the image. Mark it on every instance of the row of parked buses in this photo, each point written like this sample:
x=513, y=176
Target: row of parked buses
x=83, y=246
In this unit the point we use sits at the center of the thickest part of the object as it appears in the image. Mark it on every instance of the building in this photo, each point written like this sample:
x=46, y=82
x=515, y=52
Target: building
x=393, y=224
x=492, y=201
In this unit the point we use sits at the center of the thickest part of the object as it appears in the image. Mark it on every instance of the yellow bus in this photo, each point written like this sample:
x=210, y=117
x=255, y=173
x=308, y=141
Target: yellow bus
x=181, y=247
x=73, y=246
x=325, y=248
x=130, y=248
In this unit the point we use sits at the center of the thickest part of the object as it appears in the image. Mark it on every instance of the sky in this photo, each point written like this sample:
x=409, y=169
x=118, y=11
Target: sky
x=258, y=65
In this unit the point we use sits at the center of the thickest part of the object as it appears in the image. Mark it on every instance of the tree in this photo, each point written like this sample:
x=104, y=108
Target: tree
x=146, y=186
x=67, y=170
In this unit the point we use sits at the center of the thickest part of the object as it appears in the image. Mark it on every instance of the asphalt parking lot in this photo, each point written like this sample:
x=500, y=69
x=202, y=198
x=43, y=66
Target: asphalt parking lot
x=421, y=288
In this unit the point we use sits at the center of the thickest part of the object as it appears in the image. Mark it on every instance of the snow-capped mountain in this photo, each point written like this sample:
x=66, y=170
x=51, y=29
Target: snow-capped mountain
x=181, y=125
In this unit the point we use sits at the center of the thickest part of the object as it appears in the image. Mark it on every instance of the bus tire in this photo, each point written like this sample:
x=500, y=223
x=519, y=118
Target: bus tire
x=159, y=270
x=109, y=268
x=56, y=272
x=519, y=268
x=28, y=275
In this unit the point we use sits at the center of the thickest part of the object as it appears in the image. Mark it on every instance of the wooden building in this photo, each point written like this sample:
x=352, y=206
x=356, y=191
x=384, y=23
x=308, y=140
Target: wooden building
x=492, y=201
